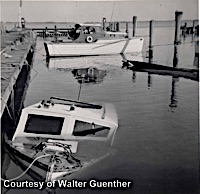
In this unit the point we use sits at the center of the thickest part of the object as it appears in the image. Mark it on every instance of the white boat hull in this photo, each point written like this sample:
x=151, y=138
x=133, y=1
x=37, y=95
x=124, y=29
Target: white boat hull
x=101, y=47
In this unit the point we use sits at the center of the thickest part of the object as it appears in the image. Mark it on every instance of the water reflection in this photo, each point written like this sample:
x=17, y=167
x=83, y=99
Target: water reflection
x=175, y=79
x=89, y=75
x=173, y=103
x=83, y=75
x=149, y=81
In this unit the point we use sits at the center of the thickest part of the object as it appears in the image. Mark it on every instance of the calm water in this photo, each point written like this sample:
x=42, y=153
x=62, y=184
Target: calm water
x=157, y=139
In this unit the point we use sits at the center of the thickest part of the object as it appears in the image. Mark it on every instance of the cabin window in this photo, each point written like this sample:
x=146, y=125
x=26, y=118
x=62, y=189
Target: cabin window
x=41, y=124
x=90, y=129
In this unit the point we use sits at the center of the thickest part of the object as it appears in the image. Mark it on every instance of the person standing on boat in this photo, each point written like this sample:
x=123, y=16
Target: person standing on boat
x=75, y=32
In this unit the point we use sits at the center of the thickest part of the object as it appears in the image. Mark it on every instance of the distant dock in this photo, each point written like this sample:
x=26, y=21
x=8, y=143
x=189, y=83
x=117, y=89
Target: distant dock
x=17, y=49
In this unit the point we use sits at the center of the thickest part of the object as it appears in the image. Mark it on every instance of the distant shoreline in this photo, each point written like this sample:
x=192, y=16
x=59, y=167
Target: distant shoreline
x=53, y=22
x=140, y=24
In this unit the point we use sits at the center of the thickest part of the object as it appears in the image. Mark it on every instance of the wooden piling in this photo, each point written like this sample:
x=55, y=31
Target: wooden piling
x=117, y=26
x=134, y=25
x=193, y=26
x=114, y=26
x=45, y=33
x=178, y=16
x=151, y=29
x=23, y=23
x=127, y=27
x=196, y=56
x=110, y=26
x=55, y=33
x=104, y=23
x=176, y=56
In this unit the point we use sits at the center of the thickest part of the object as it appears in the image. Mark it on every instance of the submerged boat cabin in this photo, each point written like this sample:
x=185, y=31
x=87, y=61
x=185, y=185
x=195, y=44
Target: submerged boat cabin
x=67, y=121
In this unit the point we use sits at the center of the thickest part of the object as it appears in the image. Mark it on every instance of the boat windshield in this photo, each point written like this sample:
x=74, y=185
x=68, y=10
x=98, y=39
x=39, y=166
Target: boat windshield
x=40, y=124
x=82, y=128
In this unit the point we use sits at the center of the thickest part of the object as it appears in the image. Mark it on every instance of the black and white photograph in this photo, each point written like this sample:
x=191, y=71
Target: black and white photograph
x=126, y=70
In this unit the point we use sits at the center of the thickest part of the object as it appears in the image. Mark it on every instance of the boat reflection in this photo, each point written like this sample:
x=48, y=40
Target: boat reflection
x=99, y=62
x=89, y=75
x=83, y=74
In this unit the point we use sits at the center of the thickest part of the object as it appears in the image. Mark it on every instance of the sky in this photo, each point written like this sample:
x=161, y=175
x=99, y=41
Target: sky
x=94, y=11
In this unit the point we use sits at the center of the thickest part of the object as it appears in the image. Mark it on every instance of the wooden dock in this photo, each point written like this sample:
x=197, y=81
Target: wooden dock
x=17, y=50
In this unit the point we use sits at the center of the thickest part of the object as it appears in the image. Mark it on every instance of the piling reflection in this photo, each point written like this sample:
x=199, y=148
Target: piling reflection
x=173, y=103
x=176, y=55
x=150, y=61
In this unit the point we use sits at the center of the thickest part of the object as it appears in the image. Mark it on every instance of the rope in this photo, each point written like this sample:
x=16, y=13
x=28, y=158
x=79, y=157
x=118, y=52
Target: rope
x=26, y=169
x=55, y=49
x=8, y=110
x=67, y=151
x=42, y=146
x=26, y=62
x=39, y=53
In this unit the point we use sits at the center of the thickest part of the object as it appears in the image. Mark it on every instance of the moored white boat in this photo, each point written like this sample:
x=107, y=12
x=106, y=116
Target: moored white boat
x=94, y=41
x=58, y=137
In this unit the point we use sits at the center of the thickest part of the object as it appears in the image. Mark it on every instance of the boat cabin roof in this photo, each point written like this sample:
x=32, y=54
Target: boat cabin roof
x=92, y=32
x=67, y=120
x=90, y=24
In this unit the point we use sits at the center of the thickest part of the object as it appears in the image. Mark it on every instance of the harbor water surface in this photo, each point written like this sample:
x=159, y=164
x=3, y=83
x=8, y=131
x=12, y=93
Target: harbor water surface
x=156, y=145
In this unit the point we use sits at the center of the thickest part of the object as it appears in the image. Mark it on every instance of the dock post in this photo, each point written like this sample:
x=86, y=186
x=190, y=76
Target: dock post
x=110, y=26
x=193, y=26
x=151, y=29
x=55, y=33
x=178, y=16
x=45, y=33
x=117, y=26
x=196, y=56
x=176, y=52
x=23, y=23
x=127, y=27
x=114, y=26
x=134, y=25
x=104, y=23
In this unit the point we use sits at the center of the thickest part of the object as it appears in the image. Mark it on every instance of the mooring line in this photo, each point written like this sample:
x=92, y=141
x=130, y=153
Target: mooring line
x=8, y=110
x=27, y=168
